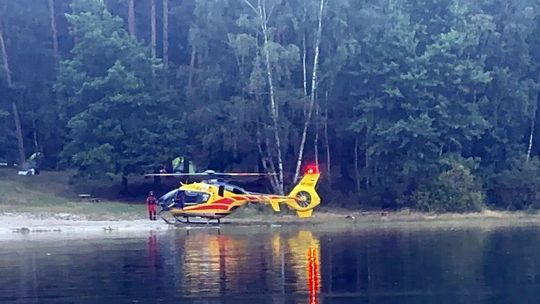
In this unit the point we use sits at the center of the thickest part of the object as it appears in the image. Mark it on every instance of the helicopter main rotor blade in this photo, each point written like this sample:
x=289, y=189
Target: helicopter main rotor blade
x=177, y=174
x=211, y=174
x=245, y=174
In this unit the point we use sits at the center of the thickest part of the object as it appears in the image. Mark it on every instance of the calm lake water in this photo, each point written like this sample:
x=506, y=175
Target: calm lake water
x=275, y=265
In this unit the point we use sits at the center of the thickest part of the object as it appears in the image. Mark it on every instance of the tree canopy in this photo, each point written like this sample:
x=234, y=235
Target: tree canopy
x=426, y=104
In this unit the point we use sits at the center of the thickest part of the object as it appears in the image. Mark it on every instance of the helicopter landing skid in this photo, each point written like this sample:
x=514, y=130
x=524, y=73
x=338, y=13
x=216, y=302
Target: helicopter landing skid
x=168, y=221
x=205, y=221
x=186, y=220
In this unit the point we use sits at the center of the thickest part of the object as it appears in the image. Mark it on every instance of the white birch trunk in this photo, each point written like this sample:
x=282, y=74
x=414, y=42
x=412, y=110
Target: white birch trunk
x=5, y=61
x=313, y=93
x=533, y=120
x=531, y=137
x=18, y=133
x=153, y=27
x=260, y=12
x=304, y=64
x=273, y=105
x=304, y=70
x=316, y=141
x=166, y=32
x=356, y=165
x=35, y=134
x=131, y=18
x=191, y=72
x=54, y=31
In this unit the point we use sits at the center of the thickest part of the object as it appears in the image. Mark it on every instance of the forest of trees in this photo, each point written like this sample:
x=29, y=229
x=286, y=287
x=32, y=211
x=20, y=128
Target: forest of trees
x=428, y=104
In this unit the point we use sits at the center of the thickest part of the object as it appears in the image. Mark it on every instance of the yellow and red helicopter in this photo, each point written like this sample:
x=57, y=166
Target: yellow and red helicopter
x=213, y=198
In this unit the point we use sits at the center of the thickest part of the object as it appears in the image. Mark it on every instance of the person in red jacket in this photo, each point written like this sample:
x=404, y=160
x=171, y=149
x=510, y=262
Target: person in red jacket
x=151, y=202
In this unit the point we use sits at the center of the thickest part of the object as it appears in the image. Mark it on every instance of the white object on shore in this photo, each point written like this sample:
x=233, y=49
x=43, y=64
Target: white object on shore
x=27, y=172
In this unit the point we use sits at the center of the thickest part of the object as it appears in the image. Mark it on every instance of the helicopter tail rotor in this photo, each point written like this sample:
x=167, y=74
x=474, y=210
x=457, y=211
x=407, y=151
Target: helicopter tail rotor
x=305, y=196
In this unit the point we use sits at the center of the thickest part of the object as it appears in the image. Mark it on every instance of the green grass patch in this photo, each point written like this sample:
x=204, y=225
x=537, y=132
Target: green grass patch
x=51, y=193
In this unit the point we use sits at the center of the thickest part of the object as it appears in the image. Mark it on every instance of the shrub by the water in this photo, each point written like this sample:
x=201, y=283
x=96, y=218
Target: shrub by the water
x=454, y=190
x=517, y=188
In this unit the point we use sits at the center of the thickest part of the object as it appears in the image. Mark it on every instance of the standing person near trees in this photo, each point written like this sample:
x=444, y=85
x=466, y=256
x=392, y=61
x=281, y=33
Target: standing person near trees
x=151, y=203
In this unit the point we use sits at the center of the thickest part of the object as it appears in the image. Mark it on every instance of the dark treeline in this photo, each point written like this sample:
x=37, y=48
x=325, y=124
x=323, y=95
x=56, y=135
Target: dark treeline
x=430, y=104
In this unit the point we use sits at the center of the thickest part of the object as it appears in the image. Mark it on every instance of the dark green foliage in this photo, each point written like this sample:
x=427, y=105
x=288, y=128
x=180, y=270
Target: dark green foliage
x=422, y=101
x=402, y=84
x=121, y=119
x=7, y=139
x=456, y=189
x=517, y=188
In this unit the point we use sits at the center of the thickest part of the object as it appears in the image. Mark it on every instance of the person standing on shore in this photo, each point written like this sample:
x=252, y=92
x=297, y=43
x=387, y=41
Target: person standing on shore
x=151, y=203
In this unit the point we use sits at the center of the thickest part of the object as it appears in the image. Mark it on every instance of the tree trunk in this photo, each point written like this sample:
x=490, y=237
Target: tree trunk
x=313, y=93
x=267, y=163
x=125, y=188
x=54, y=30
x=153, y=27
x=35, y=133
x=131, y=18
x=366, y=160
x=5, y=60
x=166, y=32
x=272, y=166
x=356, y=164
x=260, y=12
x=304, y=64
x=316, y=141
x=533, y=120
x=326, y=140
x=191, y=72
x=18, y=128
x=304, y=70
x=273, y=105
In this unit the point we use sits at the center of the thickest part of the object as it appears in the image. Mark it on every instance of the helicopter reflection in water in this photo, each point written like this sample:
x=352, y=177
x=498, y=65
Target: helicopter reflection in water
x=305, y=252
x=216, y=264
x=210, y=262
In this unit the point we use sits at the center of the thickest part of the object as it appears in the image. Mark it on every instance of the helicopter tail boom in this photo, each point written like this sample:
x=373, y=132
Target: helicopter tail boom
x=303, y=198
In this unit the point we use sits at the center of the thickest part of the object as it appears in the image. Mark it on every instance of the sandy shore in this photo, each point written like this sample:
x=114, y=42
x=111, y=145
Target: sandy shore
x=63, y=222
x=54, y=223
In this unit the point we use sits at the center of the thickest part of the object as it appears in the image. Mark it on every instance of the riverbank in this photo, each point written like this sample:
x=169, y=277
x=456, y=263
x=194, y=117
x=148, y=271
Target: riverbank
x=26, y=223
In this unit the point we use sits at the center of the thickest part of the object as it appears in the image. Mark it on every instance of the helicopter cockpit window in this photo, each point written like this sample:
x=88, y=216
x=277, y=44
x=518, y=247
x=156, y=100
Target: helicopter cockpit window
x=195, y=198
x=235, y=189
x=238, y=191
x=168, y=197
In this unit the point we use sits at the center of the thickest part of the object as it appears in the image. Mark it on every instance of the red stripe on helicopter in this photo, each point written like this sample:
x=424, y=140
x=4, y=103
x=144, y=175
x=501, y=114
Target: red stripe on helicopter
x=222, y=204
x=240, y=198
x=225, y=200
x=253, y=197
x=207, y=207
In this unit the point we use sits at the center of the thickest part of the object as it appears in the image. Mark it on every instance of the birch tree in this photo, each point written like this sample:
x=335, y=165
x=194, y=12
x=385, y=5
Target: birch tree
x=536, y=96
x=313, y=91
x=260, y=11
x=166, y=32
x=54, y=30
x=153, y=39
x=131, y=18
